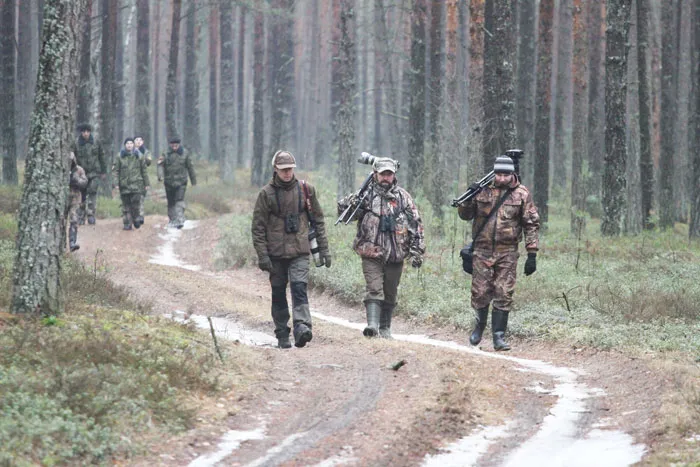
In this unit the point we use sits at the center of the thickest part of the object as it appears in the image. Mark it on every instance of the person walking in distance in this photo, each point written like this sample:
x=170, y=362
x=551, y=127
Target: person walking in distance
x=90, y=156
x=148, y=159
x=284, y=211
x=174, y=166
x=77, y=183
x=132, y=180
x=389, y=231
x=500, y=213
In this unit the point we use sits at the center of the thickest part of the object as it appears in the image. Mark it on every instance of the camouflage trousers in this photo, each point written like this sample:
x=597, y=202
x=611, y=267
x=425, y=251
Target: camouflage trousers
x=493, y=279
x=74, y=200
x=131, y=203
x=176, y=203
x=381, y=280
x=88, y=202
x=296, y=272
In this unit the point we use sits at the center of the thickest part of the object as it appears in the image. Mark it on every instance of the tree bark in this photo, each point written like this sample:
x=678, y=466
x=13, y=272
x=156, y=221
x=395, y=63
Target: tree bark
x=527, y=73
x=27, y=59
x=645, y=157
x=346, y=108
x=36, y=286
x=107, y=124
x=614, y=180
x=694, y=229
x=8, y=53
x=434, y=185
x=227, y=110
x=544, y=100
x=85, y=85
x=668, y=118
x=499, y=80
x=213, y=84
x=580, y=128
x=171, y=86
x=191, y=123
x=561, y=152
x=596, y=101
x=143, y=72
x=257, y=170
x=240, y=115
x=416, y=113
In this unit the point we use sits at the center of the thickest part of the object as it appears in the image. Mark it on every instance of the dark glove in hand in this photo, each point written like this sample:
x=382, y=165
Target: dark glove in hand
x=327, y=260
x=531, y=263
x=417, y=262
x=265, y=264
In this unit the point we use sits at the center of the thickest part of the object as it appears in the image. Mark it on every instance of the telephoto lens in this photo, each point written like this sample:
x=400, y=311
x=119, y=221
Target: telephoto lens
x=313, y=244
x=366, y=158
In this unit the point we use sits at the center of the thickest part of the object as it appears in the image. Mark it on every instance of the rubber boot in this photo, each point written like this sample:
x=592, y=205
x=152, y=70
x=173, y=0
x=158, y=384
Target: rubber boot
x=284, y=343
x=499, y=324
x=73, y=237
x=385, y=320
x=374, y=309
x=302, y=335
x=482, y=316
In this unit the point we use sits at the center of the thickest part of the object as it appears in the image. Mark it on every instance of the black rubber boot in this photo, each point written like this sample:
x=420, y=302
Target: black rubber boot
x=385, y=320
x=499, y=324
x=482, y=316
x=374, y=309
x=73, y=237
x=284, y=343
x=302, y=335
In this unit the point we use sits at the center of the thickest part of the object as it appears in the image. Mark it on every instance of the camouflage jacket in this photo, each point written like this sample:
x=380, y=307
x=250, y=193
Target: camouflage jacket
x=175, y=166
x=402, y=233
x=78, y=179
x=130, y=172
x=516, y=215
x=90, y=156
x=275, y=201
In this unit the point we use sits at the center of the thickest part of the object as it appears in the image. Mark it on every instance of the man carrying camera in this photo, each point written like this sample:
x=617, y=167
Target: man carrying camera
x=501, y=212
x=389, y=230
x=280, y=230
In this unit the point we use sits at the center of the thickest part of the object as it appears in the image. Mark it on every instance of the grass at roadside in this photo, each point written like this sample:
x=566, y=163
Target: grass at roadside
x=104, y=380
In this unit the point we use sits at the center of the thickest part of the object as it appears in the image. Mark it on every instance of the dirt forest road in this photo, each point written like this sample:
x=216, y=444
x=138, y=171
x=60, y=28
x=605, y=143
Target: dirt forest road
x=338, y=401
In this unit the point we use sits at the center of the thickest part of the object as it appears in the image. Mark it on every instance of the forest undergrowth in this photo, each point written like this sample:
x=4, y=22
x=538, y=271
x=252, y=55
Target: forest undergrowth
x=105, y=379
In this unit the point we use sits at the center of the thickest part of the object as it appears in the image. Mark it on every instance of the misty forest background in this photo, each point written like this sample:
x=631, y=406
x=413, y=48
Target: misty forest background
x=600, y=95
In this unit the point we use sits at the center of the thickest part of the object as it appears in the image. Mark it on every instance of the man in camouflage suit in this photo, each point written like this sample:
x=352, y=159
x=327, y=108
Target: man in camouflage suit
x=132, y=179
x=173, y=168
x=389, y=230
x=496, y=248
x=77, y=182
x=280, y=231
x=90, y=156
x=148, y=159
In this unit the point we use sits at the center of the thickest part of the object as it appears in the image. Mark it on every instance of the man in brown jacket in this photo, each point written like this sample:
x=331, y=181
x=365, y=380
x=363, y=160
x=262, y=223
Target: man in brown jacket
x=389, y=231
x=496, y=247
x=284, y=210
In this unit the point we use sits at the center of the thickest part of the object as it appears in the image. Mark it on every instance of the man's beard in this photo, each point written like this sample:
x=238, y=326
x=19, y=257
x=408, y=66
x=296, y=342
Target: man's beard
x=385, y=185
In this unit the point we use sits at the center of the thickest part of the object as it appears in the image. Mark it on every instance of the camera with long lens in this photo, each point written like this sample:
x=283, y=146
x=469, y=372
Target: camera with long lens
x=369, y=159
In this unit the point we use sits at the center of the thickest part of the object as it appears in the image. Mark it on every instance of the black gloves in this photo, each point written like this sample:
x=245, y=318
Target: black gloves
x=327, y=260
x=265, y=264
x=417, y=261
x=531, y=263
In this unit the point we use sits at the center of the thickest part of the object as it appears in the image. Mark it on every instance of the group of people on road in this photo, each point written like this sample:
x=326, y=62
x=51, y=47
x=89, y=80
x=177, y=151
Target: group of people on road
x=389, y=233
x=88, y=167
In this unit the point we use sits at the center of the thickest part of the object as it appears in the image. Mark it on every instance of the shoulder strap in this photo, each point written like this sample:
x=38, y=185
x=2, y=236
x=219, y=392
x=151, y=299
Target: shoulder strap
x=493, y=211
x=307, y=200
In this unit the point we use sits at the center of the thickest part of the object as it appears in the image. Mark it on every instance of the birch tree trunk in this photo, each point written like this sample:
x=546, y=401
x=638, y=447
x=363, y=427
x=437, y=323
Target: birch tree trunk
x=36, y=280
x=614, y=180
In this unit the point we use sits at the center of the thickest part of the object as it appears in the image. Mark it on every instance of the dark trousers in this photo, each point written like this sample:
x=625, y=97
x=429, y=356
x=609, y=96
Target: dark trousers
x=296, y=272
